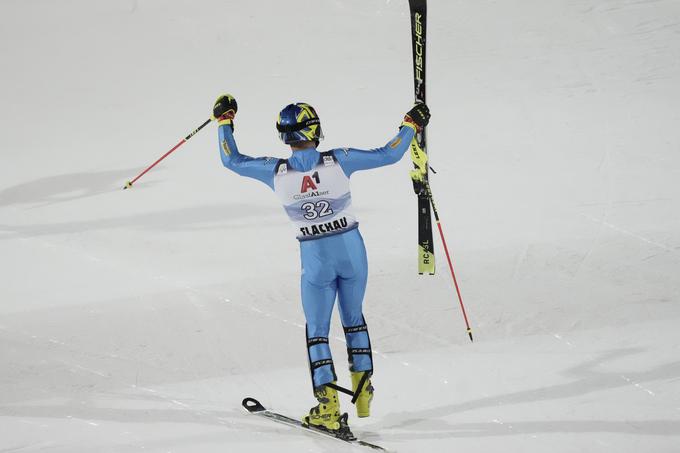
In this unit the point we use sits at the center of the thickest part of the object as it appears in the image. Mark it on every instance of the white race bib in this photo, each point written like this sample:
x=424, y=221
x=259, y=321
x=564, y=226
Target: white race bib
x=317, y=201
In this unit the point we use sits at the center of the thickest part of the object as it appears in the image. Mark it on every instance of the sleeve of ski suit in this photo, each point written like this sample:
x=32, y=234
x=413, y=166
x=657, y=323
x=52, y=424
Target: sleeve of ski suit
x=352, y=160
x=260, y=168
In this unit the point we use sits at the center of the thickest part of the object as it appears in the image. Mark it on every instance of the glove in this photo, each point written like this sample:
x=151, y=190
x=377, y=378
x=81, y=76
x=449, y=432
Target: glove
x=417, y=117
x=225, y=109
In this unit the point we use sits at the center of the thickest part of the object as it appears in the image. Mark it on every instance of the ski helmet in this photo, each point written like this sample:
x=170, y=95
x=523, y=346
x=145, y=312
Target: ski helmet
x=299, y=123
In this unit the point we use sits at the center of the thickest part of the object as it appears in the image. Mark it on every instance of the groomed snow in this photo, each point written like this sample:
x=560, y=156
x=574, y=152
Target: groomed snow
x=137, y=320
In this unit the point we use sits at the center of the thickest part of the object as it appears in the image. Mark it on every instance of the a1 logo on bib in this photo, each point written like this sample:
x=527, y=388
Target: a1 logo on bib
x=308, y=182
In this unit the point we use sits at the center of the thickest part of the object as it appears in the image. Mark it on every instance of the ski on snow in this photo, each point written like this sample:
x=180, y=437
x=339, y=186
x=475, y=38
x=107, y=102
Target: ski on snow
x=254, y=407
x=418, y=9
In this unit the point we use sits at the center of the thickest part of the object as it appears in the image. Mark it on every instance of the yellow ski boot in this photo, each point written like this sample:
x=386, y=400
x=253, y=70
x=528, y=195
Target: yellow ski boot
x=363, y=403
x=326, y=414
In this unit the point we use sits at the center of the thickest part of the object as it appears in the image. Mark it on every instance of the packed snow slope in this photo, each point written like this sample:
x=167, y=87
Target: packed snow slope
x=137, y=320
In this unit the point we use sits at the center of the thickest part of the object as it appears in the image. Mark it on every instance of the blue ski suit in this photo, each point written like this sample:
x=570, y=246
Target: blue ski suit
x=332, y=253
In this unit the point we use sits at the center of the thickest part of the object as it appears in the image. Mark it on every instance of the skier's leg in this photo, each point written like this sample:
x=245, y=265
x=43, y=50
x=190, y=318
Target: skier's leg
x=318, y=289
x=351, y=290
x=353, y=276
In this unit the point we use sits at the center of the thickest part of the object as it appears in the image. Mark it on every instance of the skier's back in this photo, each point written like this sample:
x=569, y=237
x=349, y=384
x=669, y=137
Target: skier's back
x=314, y=189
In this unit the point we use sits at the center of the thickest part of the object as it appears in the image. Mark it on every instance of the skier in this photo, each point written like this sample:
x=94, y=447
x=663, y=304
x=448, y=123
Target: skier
x=313, y=187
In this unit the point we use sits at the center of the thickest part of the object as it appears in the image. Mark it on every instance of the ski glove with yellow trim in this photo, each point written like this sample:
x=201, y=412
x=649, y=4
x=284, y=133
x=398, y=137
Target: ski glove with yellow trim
x=418, y=117
x=224, y=110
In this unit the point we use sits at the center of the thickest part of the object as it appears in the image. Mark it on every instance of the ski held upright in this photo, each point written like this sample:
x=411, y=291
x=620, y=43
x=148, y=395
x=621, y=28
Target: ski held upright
x=426, y=259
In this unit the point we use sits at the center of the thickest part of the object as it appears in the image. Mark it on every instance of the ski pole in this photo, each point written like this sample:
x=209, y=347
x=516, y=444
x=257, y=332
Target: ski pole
x=448, y=257
x=128, y=185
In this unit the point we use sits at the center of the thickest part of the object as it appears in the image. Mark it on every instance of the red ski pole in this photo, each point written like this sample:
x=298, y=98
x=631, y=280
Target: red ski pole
x=129, y=184
x=448, y=257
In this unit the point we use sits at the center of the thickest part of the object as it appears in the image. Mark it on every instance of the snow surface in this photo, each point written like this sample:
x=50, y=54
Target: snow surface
x=137, y=320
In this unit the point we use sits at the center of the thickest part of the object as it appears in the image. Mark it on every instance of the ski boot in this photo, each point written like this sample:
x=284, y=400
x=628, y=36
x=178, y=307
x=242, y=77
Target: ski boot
x=326, y=414
x=363, y=403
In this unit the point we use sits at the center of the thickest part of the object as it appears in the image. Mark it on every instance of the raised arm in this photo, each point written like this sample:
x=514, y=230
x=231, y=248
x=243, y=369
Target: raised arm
x=352, y=160
x=260, y=168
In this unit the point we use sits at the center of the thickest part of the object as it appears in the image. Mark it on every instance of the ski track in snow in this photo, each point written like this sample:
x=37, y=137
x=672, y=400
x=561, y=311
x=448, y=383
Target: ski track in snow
x=75, y=367
x=631, y=234
x=591, y=357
